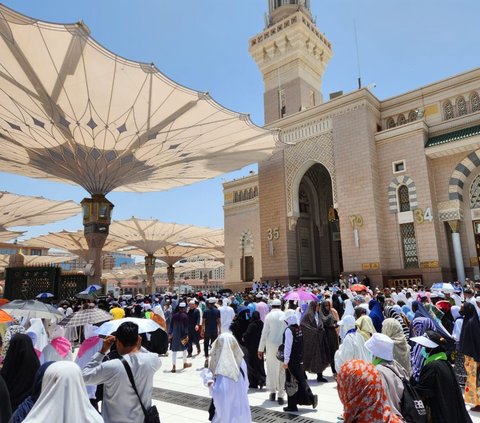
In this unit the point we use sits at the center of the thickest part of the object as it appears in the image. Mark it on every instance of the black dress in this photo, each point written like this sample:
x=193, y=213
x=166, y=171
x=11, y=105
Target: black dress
x=5, y=408
x=445, y=405
x=256, y=369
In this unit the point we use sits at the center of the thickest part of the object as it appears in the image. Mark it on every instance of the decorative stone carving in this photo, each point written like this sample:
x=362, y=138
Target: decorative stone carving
x=392, y=193
x=450, y=210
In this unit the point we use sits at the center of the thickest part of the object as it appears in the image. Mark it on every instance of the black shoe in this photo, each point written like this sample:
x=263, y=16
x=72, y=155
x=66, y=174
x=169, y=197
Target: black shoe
x=206, y=363
x=281, y=401
x=272, y=396
x=315, y=401
x=287, y=409
x=320, y=378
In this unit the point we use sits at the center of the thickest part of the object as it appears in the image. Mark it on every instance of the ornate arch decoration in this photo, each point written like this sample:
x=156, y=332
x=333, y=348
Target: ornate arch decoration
x=460, y=174
x=246, y=241
x=392, y=193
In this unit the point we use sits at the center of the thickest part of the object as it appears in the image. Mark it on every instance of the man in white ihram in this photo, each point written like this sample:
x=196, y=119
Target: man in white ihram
x=226, y=315
x=272, y=335
x=120, y=403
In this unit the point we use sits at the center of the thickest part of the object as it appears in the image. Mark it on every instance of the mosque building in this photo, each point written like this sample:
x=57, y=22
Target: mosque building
x=388, y=189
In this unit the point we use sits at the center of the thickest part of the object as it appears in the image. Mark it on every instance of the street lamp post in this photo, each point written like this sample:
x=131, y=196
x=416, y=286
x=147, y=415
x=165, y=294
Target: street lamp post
x=97, y=216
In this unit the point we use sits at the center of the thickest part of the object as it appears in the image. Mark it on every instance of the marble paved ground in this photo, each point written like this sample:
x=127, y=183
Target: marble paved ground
x=181, y=398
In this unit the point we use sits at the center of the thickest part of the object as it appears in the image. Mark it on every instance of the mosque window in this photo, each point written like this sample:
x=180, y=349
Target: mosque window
x=398, y=166
x=409, y=246
x=390, y=123
x=448, y=110
x=403, y=198
x=461, y=106
x=475, y=102
x=475, y=193
x=401, y=120
x=412, y=116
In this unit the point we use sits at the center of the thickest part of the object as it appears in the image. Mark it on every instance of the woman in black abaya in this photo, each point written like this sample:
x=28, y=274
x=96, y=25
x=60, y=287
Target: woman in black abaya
x=19, y=368
x=251, y=338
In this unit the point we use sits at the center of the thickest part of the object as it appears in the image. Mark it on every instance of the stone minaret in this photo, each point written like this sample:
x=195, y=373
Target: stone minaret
x=292, y=55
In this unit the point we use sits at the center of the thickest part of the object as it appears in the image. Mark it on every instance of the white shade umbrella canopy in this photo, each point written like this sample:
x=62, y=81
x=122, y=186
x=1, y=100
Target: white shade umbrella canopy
x=151, y=236
x=23, y=210
x=72, y=111
x=197, y=265
x=73, y=242
x=35, y=260
x=173, y=253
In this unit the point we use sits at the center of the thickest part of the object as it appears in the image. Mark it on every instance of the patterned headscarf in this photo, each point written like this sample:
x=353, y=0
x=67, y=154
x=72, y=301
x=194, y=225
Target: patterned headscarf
x=419, y=326
x=392, y=313
x=226, y=356
x=363, y=396
x=12, y=330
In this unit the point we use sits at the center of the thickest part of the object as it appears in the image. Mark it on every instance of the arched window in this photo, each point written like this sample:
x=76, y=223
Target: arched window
x=475, y=102
x=403, y=198
x=401, y=120
x=412, y=116
x=461, y=106
x=250, y=193
x=255, y=192
x=390, y=123
x=235, y=197
x=448, y=110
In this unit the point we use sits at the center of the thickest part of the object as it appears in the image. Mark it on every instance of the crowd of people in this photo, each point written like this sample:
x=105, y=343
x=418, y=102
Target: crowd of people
x=396, y=355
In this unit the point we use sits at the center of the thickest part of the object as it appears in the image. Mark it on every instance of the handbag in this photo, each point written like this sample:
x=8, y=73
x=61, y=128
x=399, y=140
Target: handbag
x=291, y=386
x=151, y=415
x=280, y=352
x=184, y=340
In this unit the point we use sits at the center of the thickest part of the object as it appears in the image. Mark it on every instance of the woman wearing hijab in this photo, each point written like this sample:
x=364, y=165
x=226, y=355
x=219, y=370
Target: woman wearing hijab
x=447, y=319
x=59, y=348
x=401, y=350
x=63, y=397
x=316, y=356
x=353, y=344
x=362, y=394
x=10, y=332
x=226, y=376
x=89, y=347
x=365, y=327
x=19, y=368
x=469, y=345
x=5, y=407
x=329, y=325
x=39, y=336
x=418, y=327
x=376, y=314
x=25, y=407
x=256, y=369
x=437, y=384
x=337, y=304
x=240, y=324
x=395, y=312
x=292, y=362
x=159, y=338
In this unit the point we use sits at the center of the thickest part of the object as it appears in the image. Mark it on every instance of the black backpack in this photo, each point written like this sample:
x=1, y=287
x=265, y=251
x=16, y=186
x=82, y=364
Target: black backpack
x=411, y=406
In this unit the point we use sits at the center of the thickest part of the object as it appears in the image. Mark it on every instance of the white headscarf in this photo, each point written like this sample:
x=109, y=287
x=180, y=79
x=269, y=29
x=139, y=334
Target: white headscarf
x=349, y=309
x=348, y=323
x=290, y=317
x=37, y=332
x=226, y=356
x=63, y=397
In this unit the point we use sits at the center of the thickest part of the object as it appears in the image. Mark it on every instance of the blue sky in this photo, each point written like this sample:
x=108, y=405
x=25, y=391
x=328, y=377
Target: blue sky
x=203, y=44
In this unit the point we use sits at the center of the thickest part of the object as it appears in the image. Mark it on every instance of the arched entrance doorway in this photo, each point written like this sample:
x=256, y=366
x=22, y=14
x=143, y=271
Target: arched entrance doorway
x=319, y=249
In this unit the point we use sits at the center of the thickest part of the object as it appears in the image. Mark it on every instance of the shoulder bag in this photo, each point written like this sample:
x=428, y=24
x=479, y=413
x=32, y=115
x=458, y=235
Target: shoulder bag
x=151, y=415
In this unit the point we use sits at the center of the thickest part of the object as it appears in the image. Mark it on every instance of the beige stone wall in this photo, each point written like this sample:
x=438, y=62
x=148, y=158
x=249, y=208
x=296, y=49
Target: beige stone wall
x=357, y=180
x=238, y=220
x=276, y=263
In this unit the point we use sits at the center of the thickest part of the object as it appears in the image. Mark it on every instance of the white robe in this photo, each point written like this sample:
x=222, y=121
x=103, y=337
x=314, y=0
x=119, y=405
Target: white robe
x=352, y=347
x=226, y=317
x=229, y=397
x=272, y=335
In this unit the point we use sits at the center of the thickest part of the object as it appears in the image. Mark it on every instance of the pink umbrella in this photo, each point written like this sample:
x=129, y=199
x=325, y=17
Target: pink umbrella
x=301, y=295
